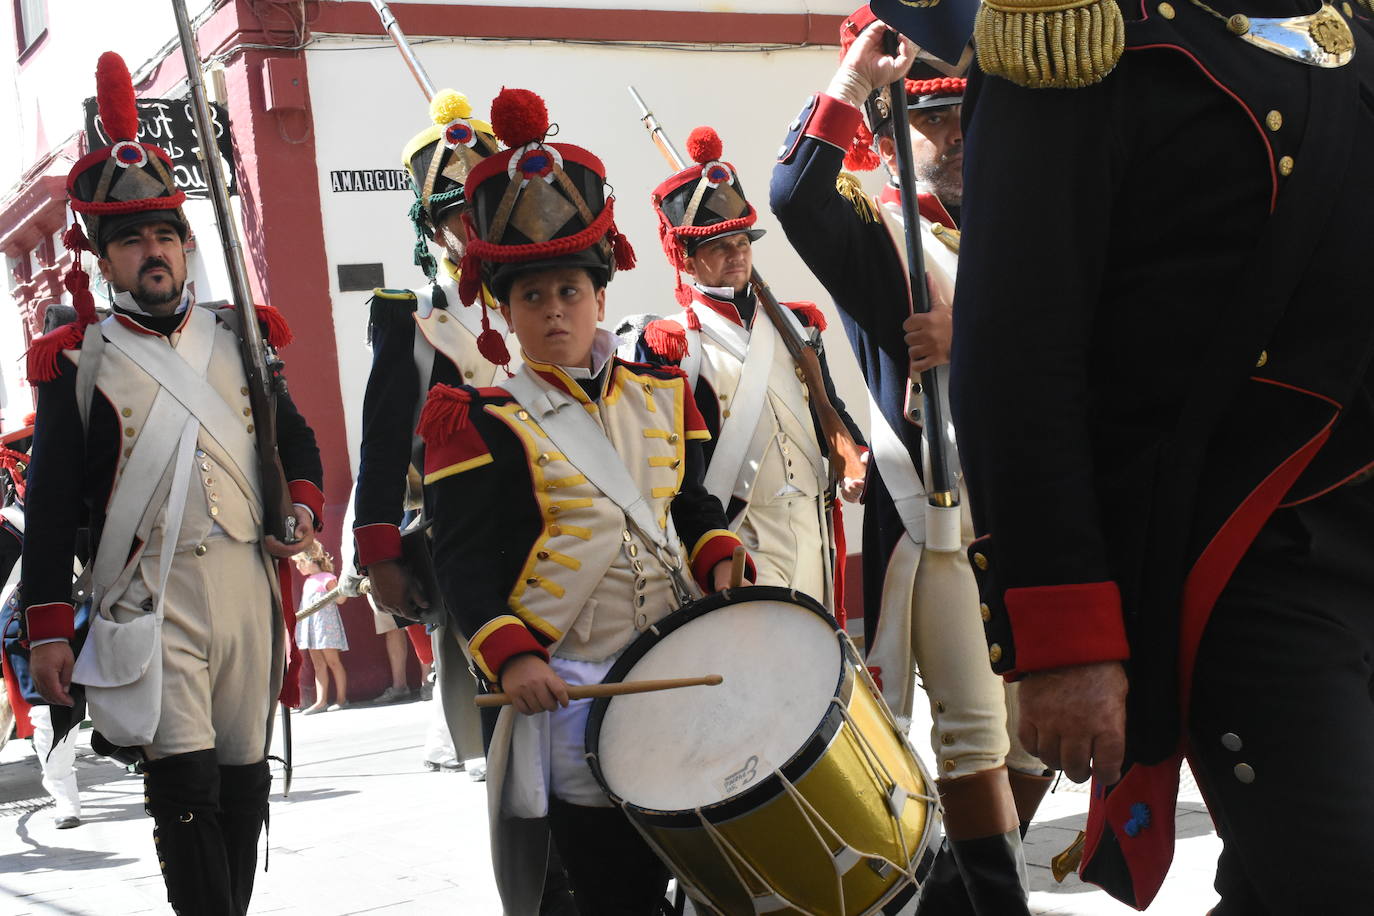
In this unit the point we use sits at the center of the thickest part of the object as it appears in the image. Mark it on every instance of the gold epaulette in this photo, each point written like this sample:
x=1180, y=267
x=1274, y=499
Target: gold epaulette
x=397, y=294
x=1044, y=44
x=850, y=189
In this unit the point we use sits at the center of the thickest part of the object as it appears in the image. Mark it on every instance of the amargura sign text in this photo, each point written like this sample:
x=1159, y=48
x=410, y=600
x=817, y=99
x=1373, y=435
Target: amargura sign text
x=369, y=180
x=168, y=123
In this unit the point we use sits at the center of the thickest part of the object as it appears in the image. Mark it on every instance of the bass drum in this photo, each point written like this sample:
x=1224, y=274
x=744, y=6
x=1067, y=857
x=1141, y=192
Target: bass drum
x=789, y=788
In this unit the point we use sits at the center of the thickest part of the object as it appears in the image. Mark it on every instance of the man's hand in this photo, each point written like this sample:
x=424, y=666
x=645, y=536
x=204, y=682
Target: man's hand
x=50, y=666
x=720, y=577
x=305, y=531
x=867, y=67
x=1074, y=719
x=930, y=335
x=852, y=488
x=393, y=590
x=532, y=685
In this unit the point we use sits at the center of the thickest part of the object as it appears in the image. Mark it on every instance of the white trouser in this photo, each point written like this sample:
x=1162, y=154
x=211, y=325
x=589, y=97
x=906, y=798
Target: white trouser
x=58, y=760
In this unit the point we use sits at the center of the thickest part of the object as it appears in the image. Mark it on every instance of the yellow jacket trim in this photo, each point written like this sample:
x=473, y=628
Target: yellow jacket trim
x=458, y=468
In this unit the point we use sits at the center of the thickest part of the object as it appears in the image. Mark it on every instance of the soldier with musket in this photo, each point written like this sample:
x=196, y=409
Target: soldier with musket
x=144, y=431
x=1164, y=398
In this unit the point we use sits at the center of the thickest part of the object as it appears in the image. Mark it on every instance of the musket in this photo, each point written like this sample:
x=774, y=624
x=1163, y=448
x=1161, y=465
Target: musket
x=942, y=489
x=417, y=69
x=805, y=351
x=279, y=520
x=264, y=379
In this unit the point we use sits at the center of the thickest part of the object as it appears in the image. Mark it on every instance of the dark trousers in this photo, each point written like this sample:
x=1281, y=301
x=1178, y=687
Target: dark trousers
x=1282, y=724
x=613, y=872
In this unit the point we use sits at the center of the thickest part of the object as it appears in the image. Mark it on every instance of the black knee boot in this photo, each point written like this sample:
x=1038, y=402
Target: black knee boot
x=243, y=794
x=181, y=794
x=980, y=868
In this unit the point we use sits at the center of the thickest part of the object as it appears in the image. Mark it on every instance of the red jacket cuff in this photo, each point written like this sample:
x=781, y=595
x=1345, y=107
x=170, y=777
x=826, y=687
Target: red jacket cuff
x=833, y=121
x=308, y=495
x=498, y=642
x=1056, y=626
x=712, y=547
x=377, y=542
x=50, y=621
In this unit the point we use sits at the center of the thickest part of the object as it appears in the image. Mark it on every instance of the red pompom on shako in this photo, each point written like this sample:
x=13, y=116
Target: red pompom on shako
x=518, y=117
x=703, y=145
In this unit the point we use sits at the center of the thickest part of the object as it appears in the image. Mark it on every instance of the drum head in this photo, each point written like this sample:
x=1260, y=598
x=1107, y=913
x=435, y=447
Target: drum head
x=676, y=750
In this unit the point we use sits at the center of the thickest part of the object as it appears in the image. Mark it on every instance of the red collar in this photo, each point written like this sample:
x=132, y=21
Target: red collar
x=721, y=307
x=927, y=205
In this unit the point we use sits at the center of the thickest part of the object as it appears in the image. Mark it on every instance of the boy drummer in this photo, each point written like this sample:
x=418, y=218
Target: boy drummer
x=551, y=497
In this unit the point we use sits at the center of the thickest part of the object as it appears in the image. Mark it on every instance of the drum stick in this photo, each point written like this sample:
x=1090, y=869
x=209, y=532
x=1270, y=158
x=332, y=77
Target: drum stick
x=737, y=567
x=584, y=691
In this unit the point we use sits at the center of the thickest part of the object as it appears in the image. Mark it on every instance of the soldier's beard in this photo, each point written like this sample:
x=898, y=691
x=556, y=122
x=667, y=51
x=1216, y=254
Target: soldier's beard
x=943, y=177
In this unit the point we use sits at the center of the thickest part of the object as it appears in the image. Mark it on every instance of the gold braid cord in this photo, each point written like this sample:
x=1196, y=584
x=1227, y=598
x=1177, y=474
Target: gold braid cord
x=849, y=188
x=1047, y=45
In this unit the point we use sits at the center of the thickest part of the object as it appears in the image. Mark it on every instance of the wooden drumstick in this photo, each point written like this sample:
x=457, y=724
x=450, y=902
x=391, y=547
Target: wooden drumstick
x=583, y=691
x=737, y=566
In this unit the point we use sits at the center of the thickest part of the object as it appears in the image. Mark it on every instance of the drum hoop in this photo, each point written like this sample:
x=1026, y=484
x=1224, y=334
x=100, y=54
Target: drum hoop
x=794, y=768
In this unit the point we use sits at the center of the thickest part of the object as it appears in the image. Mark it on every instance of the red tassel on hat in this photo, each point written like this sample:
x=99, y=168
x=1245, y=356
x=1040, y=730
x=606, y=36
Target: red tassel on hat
x=78, y=283
x=860, y=156
x=278, y=331
x=703, y=145
x=624, y=251
x=445, y=412
x=490, y=344
x=114, y=92
x=666, y=338
x=75, y=240
x=518, y=116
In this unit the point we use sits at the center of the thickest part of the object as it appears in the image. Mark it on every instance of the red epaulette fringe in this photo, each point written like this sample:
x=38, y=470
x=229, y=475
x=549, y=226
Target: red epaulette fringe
x=43, y=352
x=278, y=331
x=810, y=312
x=445, y=412
x=667, y=338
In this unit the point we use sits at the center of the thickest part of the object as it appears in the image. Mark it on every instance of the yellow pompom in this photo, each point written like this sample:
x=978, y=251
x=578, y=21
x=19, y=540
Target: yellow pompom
x=449, y=106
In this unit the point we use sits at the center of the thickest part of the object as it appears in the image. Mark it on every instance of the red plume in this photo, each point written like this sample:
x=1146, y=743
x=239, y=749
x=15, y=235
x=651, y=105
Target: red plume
x=518, y=116
x=445, y=412
x=703, y=145
x=666, y=338
x=114, y=92
x=860, y=156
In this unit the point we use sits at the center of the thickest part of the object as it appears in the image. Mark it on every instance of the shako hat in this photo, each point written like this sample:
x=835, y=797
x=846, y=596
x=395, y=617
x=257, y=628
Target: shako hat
x=126, y=183
x=702, y=202
x=926, y=87
x=535, y=205
x=439, y=160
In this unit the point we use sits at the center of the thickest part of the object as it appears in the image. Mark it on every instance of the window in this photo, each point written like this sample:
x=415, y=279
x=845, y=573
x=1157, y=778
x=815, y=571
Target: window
x=30, y=22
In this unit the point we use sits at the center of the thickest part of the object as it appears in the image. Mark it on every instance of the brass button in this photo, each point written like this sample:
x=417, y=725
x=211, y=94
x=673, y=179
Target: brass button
x=214, y=510
x=1274, y=119
x=725, y=397
x=1286, y=166
x=200, y=550
x=1239, y=24
x=640, y=584
x=1166, y=10
x=1345, y=8
x=642, y=620
x=940, y=707
x=980, y=561
x=555, y=531
x=244, y=391
x=677, y=463
x=725, y=413
x=543, y=554
x=994, y=653
x=200, y=453
x=673, y=438
x=250, y=427
x=639, y=601
x=1263, y=358
x=205, y=465
x=648, y=389
x=1231, y=741
x=467, y=374
x=543, y=459
x=129, y=431
x=128, y=452
x=946, y=739
x=985, y=612
x=214, y=497
x=626, y=535
x=554, y=510
x=209, y=481
x=247, y=411
x=637, y=566
x=1245, y=773
x=522, y=415
x=442, y=318
x=949, y=766
x=532, y=580
x=634, y=550
x=126, y=412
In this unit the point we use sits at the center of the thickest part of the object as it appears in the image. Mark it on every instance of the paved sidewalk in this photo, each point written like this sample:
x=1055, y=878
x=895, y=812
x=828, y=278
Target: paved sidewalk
x=368, y=830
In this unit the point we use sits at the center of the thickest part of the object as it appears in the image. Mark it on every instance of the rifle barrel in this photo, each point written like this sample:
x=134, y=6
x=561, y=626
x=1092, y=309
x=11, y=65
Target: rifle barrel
x=417, y=69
